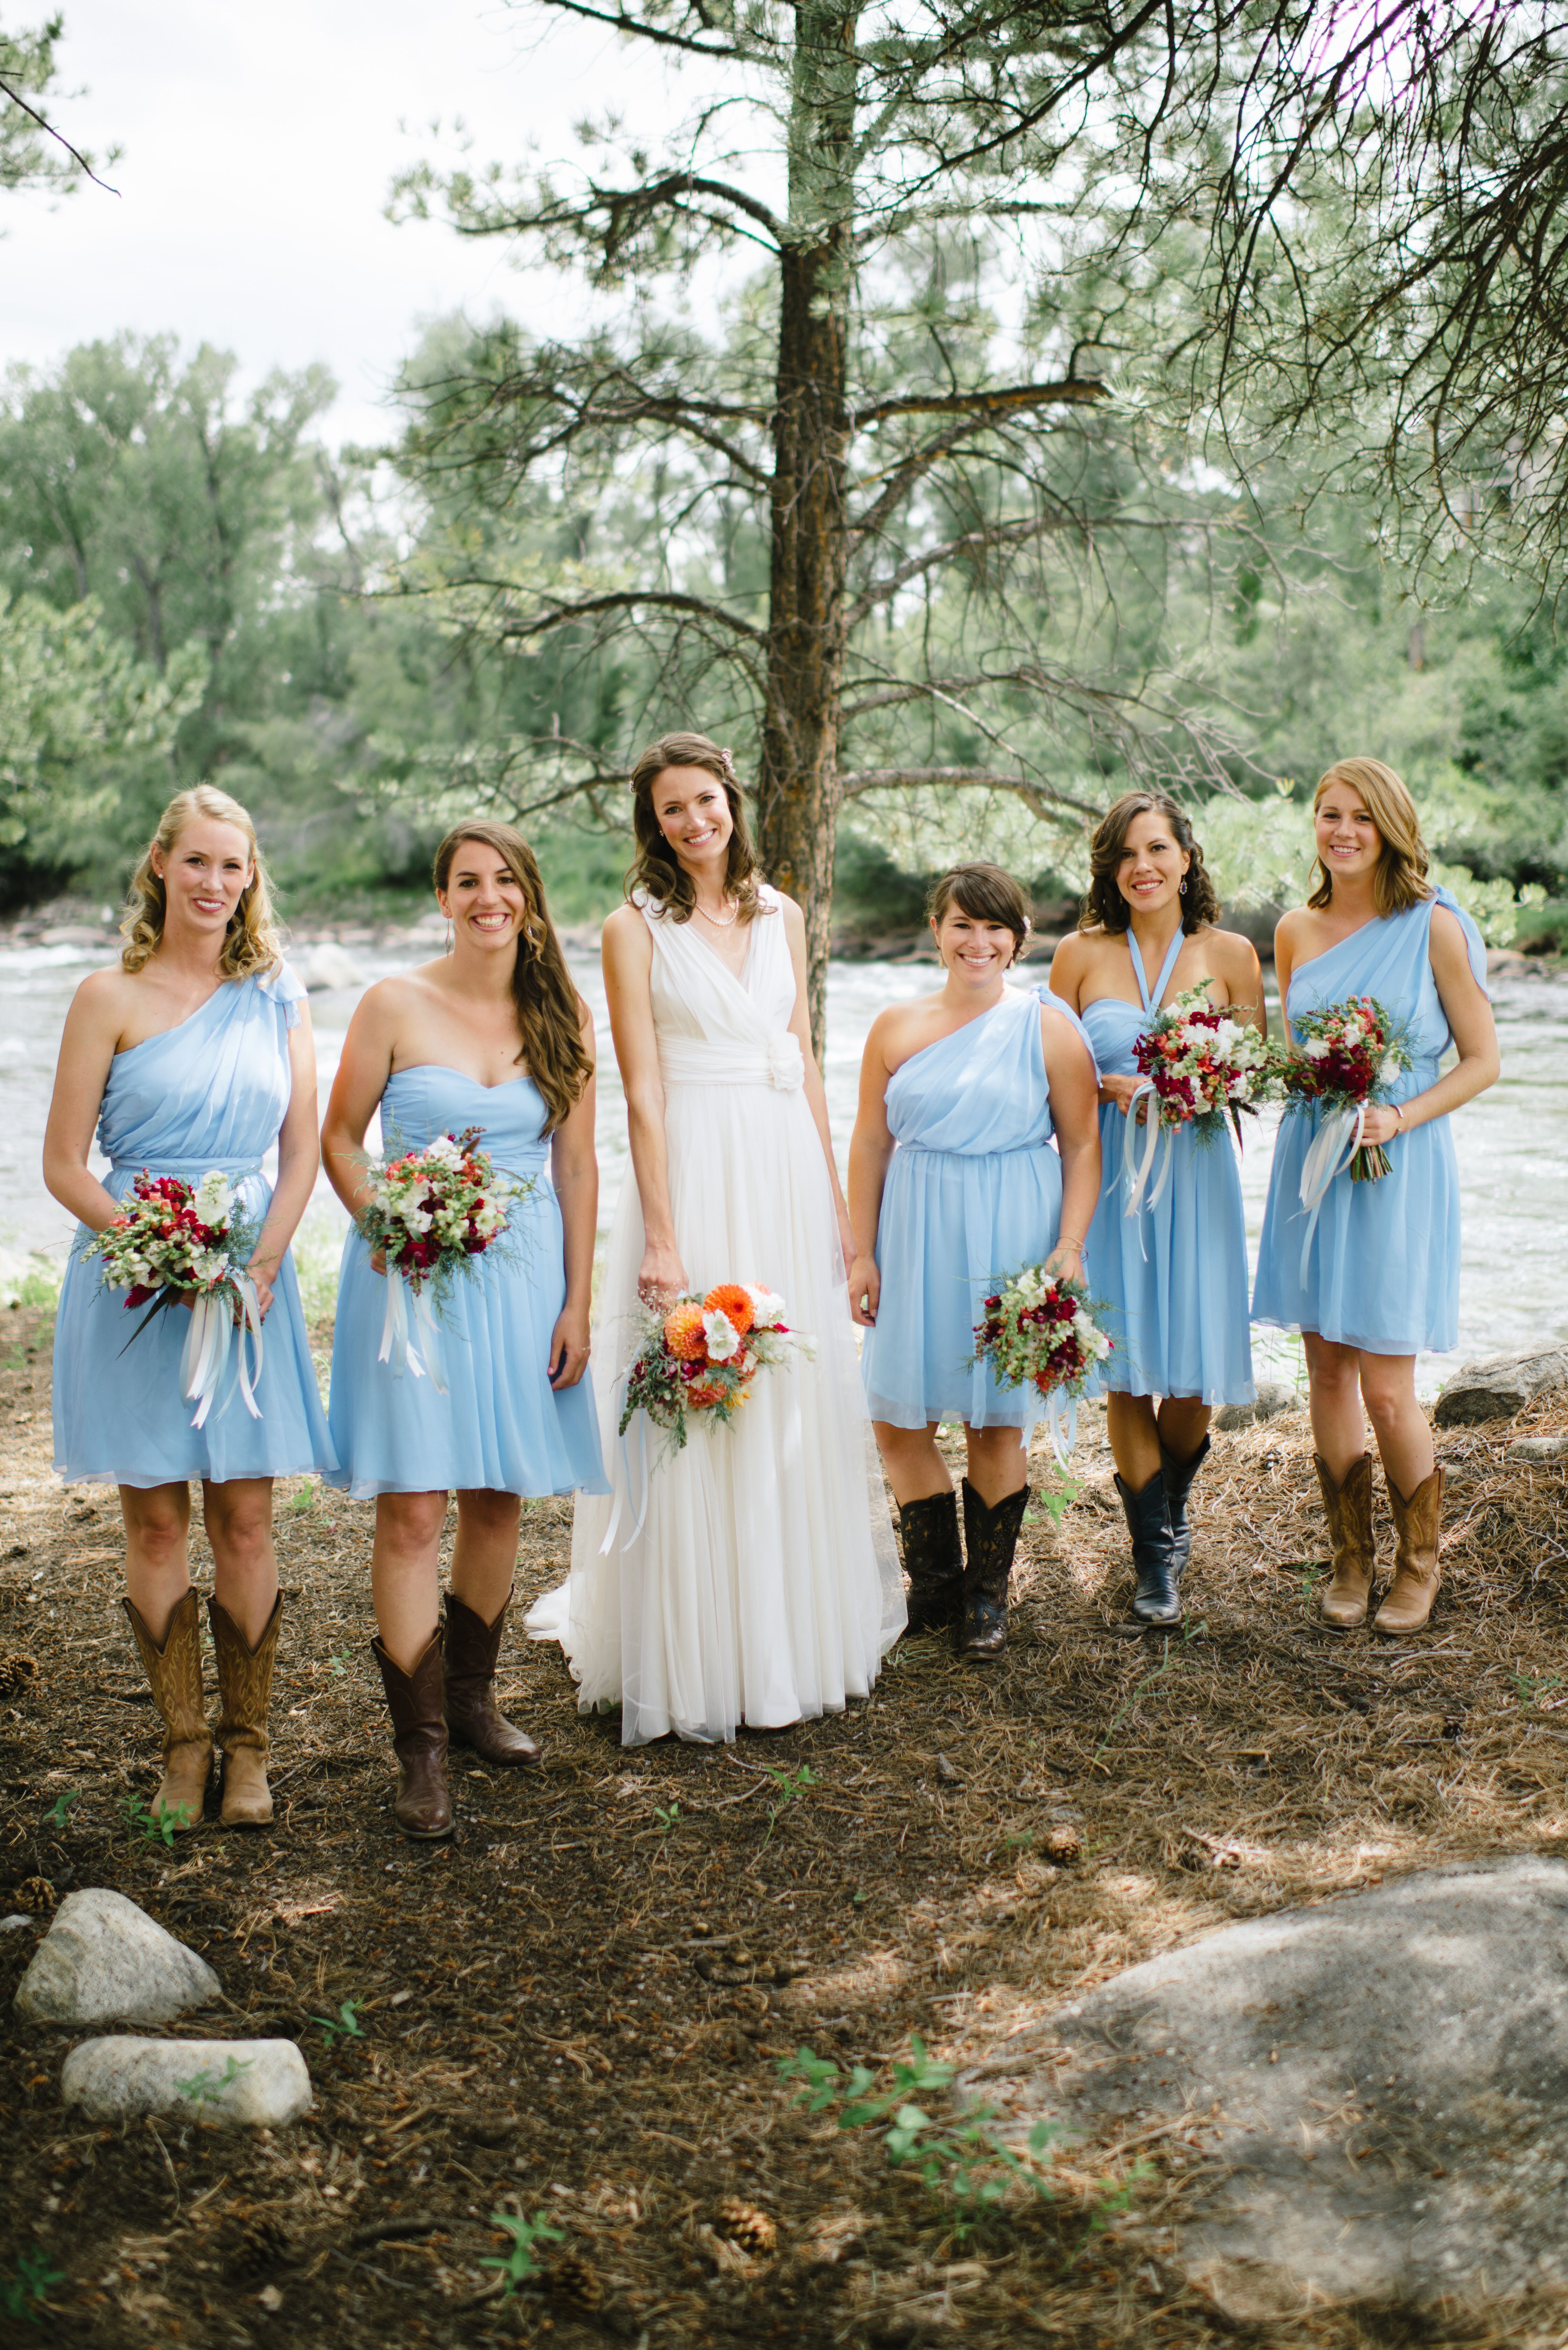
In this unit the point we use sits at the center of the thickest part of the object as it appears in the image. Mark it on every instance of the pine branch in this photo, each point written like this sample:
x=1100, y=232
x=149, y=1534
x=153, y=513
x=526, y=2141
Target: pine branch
x=620, y=22
x=1042, y=798
x=1008, y=400
x=59, y=138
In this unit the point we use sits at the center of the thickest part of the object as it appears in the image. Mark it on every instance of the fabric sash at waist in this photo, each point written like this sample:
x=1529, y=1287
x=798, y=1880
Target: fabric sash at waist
x=699, y=1061
x=186, y=1170
x=1012, y=1150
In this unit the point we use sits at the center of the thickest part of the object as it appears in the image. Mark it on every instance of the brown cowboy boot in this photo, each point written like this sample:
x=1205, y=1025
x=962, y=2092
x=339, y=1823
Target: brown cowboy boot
x=933, y=1560
x=245, y=1687
x=424, y=1807
x=991, y=1537
x=1348, y=1509
x=1417, y=1572
x=174, y=1671
x=473, y=1716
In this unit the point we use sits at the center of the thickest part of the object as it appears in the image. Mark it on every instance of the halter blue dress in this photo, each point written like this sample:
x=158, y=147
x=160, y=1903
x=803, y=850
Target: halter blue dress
x=973, y=1192
x=209, y=1094
x=1173, y=1278
x=1383, y=1269
x=500, y=1427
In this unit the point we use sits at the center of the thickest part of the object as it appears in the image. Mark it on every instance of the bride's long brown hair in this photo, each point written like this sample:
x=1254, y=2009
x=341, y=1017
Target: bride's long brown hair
x=549, y=1009
x=656, y=869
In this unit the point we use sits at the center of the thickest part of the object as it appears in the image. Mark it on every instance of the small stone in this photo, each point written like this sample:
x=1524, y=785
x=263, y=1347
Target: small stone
x=1273, y=1396
x=104, y=1961
x=946, y=1773
x=14, y=1923
x=235, y=2083
x=1538, y=1447
x=1500, y=1385
x=270, y=2298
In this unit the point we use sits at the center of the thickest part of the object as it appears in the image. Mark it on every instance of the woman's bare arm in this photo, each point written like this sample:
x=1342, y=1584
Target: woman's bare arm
x=1074, y=1114
x=575, y=1171
x=357, y=1090
x=86, y=1054
x=817, y=1097
x=870, y=1155
x=628, y=952
x=298, y=1158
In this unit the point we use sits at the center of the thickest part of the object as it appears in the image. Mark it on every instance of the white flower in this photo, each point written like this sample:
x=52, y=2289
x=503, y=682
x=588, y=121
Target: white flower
x=417, y=1220
x=1389, y=1070
x=214, y=1198
x=724, y=1339
x=1315, y=1049
x=444, y=1151
x=1351, y=1031
x=767, y=1306
x=1226, y=1035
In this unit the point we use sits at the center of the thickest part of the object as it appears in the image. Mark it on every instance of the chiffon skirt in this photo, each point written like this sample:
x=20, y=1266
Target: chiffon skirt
x=753, y=1576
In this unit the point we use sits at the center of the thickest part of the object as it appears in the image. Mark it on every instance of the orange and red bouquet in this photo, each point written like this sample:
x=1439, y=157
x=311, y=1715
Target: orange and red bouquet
x=701, y=1356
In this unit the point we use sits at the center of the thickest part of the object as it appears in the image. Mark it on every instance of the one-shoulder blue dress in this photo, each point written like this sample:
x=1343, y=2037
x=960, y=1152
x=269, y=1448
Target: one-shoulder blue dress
x=1173, y=1278
x=500, y=1427
x=209, y=1094
x=973, y=1192
x=1383, y=1269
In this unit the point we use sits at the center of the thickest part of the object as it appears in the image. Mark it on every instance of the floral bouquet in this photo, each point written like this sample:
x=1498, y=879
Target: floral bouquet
x=429, y=1212
x=170, y=1243
x=1039, y=1329
x=1347, y=1057
x=703, y=1354
x=1199, y=1063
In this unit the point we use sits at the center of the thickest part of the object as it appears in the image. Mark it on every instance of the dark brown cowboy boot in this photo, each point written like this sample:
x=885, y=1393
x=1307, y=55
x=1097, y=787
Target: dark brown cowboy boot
x=174, y=1671
x=245, y=1687
x=473, y=1716
x=423, y=1806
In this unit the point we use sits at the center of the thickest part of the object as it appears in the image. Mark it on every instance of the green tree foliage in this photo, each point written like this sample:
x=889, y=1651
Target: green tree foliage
x=34, y=152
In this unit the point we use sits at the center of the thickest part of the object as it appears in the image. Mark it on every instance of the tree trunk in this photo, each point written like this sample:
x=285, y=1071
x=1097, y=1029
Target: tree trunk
x=798, y=786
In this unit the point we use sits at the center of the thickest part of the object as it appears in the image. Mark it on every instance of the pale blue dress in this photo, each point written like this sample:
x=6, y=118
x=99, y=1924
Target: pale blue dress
x=1173, y=1278
x=500, y=1427
x=209, y=1094
x=974, y=1194
x=1383, y=1268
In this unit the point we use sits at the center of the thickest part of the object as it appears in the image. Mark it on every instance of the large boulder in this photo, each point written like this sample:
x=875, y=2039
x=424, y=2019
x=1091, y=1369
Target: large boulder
x=237, y=2084
x=1369, y=2094
x=325, y=968
x=104, y=1961
x=1500, y=1385
x=1271, y=1396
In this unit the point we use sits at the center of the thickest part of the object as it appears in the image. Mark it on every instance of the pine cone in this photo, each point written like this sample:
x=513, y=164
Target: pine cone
x=574, y=2279
x=16, y=1672
x=745, y=2226
x=264, y=2242
x=37, y=1895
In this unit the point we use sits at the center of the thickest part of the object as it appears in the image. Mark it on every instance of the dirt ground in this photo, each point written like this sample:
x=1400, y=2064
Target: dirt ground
x=578, y=2008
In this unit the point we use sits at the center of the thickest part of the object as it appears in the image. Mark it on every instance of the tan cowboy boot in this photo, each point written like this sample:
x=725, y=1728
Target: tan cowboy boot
x=244, y=1686
x=1417, y=1572
x=174, y=1671
x=1348, y=1509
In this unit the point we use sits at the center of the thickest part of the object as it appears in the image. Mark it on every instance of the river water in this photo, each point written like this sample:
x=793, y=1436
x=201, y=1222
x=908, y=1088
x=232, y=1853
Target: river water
x=1512, y=1143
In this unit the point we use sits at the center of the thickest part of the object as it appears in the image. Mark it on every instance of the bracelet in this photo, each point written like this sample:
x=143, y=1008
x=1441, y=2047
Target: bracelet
x=1398, y=1111
x=1065, y=1241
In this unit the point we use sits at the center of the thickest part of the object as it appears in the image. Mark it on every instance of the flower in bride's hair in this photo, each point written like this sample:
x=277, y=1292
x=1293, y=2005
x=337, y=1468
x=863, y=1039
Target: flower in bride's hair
x=724, y=1339
x=683, y=1331
x=734, y=1299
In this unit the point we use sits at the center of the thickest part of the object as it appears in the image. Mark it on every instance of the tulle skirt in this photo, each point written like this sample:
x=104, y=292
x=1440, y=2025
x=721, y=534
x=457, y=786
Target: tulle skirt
x=753, y=1576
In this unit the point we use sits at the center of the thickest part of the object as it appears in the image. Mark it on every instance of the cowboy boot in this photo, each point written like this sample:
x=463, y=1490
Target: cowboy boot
x=991, y=1537
x=174, y=1671
x=473, y=1716
x=423, y=1807
x=244, y=1688
x=1157, y=1601
x=1178, y=1476
x=929, y=1538
x=1417, y=1572
x=1348, y=1509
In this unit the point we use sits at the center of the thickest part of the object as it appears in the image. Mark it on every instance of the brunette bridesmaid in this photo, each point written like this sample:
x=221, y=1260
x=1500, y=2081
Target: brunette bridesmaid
x=1173, y=1276
x=953, y=1185
x=192, y=1055
x=1379, y=1281
x=493, y=1035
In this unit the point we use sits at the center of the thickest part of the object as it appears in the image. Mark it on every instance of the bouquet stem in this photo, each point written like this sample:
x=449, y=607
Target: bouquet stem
x=1369, y=1163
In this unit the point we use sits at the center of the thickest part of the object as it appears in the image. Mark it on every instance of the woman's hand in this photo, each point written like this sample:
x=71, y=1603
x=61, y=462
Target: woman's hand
x=1066, y=1261
x=865, y=1289
x=378, y=1261
x=264, y=1276
x=1382, y=1124
x=662, y=1278
x=569, y=1347
x=1120, y=1089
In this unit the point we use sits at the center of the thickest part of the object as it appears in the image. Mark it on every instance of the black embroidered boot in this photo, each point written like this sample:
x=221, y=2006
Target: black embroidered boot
x=929, y=1538
x=1178, y=1476
x=991, y=1537
x=1157, y=1599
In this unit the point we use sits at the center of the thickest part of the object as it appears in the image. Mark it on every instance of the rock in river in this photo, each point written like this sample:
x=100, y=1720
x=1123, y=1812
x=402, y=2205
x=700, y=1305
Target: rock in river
x=104, y=1961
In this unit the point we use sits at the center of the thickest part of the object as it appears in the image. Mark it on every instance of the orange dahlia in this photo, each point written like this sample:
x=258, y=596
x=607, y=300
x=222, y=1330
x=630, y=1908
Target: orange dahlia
x=702, y=1398
x=730, y=1300
x=683, y=1332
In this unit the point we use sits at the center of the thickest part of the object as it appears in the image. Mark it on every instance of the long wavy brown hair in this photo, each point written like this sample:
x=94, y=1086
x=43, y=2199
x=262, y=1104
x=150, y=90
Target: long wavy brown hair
x=1400, y=880
x=251, y=940
x=549, y=1009
x=1104, y=906
x=656, y=869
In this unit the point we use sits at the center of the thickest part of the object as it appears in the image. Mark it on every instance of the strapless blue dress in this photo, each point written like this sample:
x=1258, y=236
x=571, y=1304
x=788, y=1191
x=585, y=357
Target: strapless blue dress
x=1173, y=1278
x=973, y=1192
x=500, y=1427
x=209, y=1094
x=1383, y=1270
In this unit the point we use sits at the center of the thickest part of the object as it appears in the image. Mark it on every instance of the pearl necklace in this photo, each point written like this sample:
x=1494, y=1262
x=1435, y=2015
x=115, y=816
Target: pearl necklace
x=718, y=925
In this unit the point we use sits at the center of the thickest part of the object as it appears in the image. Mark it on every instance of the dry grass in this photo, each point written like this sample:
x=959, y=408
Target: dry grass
x=578, y=2008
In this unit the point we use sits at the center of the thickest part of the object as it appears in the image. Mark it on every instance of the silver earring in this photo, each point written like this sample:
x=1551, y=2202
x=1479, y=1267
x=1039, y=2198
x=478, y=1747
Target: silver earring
x=1181, y=886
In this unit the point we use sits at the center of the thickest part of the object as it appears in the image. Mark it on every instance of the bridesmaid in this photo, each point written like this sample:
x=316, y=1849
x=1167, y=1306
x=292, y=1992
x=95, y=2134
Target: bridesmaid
x=1173, y=1276
x=495, y=1035
x=952, y=1186
x=1380, y=1280
x=194, y=1054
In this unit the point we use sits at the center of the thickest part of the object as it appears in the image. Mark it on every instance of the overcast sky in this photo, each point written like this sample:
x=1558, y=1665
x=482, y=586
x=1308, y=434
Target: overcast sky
x=259, y=146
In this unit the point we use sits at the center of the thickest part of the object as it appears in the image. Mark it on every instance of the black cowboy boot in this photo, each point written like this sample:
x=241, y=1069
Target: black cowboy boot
x=1178, y=1476
x=991, y=1537
x=1157, y=1599
x=929, y=1538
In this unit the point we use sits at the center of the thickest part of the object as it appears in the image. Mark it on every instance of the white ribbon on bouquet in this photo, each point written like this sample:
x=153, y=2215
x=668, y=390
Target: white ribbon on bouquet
x=1062, y=1425
x=408, y=1312
x=1137, y=1170
x=214, y=1321
x=1330, y=1152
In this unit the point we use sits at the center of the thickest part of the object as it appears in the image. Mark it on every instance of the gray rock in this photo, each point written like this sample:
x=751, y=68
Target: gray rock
x=1373, y=2090
x=1273, y=1396
x=104, y=1961
x=237, y=2084
x=327, y=966
x=1498, y=1387
x=1538, y=1447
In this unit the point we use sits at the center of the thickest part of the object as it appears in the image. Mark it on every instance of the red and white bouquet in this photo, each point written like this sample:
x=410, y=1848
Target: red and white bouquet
x=1199, y=1063
x=1346, y=1058
x=1039, y=1329
x=700, y=1357
x=429, y=1212
x=172, y=1242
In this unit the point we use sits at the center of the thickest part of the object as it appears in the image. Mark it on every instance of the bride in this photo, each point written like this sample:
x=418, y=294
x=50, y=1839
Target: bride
x=753, y=1576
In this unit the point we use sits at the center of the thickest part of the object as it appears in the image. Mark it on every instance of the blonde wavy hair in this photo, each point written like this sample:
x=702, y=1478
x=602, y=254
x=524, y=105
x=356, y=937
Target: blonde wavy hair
x=251, y=940
x=1400, y=881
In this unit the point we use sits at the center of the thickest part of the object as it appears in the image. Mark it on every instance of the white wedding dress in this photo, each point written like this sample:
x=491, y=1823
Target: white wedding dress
x=763, y=1583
